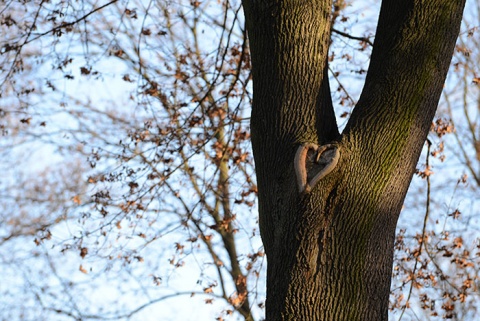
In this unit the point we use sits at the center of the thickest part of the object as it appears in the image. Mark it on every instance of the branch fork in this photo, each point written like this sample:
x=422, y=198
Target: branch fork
x=313, y=162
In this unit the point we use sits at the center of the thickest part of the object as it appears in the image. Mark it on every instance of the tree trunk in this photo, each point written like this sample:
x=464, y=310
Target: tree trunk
x=330, y=249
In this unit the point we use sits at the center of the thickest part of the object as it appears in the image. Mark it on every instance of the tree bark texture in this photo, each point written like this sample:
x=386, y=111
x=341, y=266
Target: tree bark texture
x=330, y=250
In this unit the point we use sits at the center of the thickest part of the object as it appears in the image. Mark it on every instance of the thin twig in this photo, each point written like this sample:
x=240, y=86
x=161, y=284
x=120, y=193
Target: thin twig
x=344, y=34
x=422, y=240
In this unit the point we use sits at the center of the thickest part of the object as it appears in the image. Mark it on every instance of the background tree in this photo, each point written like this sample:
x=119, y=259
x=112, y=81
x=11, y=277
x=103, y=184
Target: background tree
x=119, y=202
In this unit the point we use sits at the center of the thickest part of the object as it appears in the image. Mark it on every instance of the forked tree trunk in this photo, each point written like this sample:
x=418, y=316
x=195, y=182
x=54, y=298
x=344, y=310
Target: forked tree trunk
x=330, y=249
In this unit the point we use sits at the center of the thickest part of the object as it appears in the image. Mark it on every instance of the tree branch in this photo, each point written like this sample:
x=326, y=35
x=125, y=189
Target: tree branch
x=63, y=25
x=413, y=48
x=346, y=35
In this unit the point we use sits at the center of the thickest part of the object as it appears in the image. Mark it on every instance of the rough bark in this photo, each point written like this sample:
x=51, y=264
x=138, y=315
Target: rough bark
x=330, y=250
